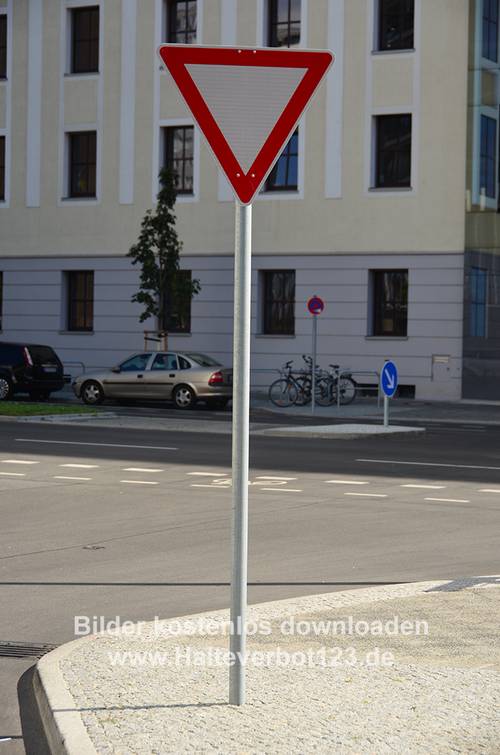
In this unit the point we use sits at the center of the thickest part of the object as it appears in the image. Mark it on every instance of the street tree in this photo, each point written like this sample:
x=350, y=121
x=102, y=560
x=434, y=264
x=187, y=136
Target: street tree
x=165, y=291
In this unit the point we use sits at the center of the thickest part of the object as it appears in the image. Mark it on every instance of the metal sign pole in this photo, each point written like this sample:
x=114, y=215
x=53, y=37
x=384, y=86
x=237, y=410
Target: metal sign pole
x=241, y=411
x=313, y=377
x=386, y=411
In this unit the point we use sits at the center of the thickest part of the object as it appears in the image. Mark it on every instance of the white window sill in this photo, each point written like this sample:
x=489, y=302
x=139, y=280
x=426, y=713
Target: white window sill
x=88, y=201
x=76, y=332
x=390, y=189
x=387, y=338
x=273, y=335
x=92, y=75
x=404, y=51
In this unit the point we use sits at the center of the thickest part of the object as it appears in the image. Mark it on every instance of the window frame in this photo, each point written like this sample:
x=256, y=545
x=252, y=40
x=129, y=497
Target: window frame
x=376, y=184
x=72, y=301
x=379, y=32
x=286, y=155
x=486, y=20
x=4, y=48
x=70, y=193
x=485, y=159
x=273, y=23
x=268, y=301
x=168, y=153
x=1, y=299
x=171, y=36
x=378, y=308
x=76, y=69
x=478, y=309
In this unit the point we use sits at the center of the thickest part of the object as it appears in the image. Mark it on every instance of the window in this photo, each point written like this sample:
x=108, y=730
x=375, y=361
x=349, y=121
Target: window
x=3, y=46
x=82, y=164
x=2, y=168
x=284, y=23
x=284, y=175
x=393, y=156
x=490, y=30
x=85, y=40
x=395, y=23
x=177, y=312
x=138, y=363
x=279, y=302
x=80, y=289
x=181, y=21
x=390, y=302
x=179, y=156
x=477, y=308
x=487, y=159
x=164, y=362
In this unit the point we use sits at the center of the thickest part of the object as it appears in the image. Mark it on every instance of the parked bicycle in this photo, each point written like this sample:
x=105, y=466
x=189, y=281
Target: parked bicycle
x=295, y=387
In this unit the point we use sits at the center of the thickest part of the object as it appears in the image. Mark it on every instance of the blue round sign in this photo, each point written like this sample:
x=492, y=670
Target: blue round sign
x=315, y=305
x=389, y=379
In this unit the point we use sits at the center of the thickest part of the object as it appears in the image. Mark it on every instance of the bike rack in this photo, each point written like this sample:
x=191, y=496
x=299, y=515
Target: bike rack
x=349, y=373
x=67, y=375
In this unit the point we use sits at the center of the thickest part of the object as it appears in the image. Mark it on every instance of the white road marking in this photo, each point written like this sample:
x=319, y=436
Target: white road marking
x=282, y=490
x=346, y=482
x=425, y=487
x=102, y=445
x=80, y=466
x=369, y=495
x=427, y=464
x=216, y=487
x=448, y=500
x=139, y=482
x=12, y=474
x=141, y=469
x=489, y=490
x=63, y=477
x=18, y=461
x=269, y=477
x=207, y=474
x=268, y=482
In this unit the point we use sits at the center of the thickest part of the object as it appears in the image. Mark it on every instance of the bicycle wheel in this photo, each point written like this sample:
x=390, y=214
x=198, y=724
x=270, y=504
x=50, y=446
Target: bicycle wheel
x=303, y=390
x=282, y=393
x=324, y=392
x=347, y=390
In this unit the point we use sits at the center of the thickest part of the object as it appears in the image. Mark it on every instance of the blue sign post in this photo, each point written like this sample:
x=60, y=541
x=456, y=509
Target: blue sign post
x=389, y=384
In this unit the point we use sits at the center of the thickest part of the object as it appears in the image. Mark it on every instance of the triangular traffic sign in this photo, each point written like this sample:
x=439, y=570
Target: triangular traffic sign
x=246, y=101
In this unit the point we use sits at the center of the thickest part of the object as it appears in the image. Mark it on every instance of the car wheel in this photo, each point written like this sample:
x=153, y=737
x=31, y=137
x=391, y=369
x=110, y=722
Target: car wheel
x=184, y=397
x=92, y=393
x=5, y=388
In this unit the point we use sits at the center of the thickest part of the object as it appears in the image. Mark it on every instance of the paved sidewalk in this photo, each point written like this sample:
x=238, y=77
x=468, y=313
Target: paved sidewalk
x=407, y=668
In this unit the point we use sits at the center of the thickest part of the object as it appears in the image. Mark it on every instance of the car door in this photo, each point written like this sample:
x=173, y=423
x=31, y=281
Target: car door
x=161, y=376
x=126, y=380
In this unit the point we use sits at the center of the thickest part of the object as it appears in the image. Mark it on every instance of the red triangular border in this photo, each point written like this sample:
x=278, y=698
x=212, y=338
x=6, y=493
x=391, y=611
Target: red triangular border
x=246, y=185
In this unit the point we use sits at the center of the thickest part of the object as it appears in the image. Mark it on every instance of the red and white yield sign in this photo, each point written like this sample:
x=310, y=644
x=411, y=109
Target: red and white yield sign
x=247, y=102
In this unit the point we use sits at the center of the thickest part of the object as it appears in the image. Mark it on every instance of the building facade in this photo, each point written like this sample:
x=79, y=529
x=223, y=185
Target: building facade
x=368, y=206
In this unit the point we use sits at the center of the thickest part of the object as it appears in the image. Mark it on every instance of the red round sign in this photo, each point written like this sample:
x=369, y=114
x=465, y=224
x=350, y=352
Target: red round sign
x=315, y=305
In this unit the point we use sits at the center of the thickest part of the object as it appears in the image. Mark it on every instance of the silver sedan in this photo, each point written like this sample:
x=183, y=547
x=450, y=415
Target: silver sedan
x=181, y=377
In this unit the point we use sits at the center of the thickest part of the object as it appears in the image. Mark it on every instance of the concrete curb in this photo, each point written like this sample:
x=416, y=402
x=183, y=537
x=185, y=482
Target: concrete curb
x=341, y=432
x=64, y=729
x=62, y=418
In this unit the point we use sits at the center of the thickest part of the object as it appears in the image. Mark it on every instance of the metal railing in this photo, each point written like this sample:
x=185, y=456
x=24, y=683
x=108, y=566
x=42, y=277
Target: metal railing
x=67, y=372
x=351, y=373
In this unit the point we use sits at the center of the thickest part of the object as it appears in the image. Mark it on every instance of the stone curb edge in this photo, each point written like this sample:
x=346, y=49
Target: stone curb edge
x=64, y=729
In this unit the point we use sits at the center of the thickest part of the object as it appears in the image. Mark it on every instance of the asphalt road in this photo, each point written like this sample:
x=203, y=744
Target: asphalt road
x=106, y=522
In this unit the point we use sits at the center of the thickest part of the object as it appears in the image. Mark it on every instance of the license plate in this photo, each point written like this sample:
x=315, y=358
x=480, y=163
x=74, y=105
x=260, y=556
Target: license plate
x=50, y=369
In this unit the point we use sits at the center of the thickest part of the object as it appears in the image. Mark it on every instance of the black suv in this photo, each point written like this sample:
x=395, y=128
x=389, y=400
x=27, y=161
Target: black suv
x=29, y=368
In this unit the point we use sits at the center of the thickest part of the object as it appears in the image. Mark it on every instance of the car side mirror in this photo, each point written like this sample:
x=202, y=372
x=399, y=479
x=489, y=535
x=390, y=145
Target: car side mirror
x=116, y=369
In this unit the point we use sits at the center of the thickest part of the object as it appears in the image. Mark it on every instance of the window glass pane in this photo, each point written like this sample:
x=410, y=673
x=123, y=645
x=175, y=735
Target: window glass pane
x=2, y=167
x=487, y=162
x=181, y=21
x=179, y=154
x=284, y=175
x=279, y=302
x=82, y=164
x=136, y=363
x=3, y=46
x=80, y=292
x=396, y=23
x=85, y=40
x=393, y=158
x=164, y=362
x=284, y=22
x=390, y=302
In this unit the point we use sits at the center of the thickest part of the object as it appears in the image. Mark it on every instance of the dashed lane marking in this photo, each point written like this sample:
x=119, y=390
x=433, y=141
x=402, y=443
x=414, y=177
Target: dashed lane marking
x=207, y=474
x=427, y=464
x=489, y=490
x=18, y=461
x=80, y=466
x=139, y=482
x=282, y=490
x=269, y=477
x=12, y=474
x=425, y=487
x=207, y=485
x=368, y=495
x=141, y=469
x=346, y=482
x=447, y=500
x=100, y=445
x=64, y=477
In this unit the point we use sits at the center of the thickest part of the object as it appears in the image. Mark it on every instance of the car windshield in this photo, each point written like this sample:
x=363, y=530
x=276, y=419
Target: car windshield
x=203, y=360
